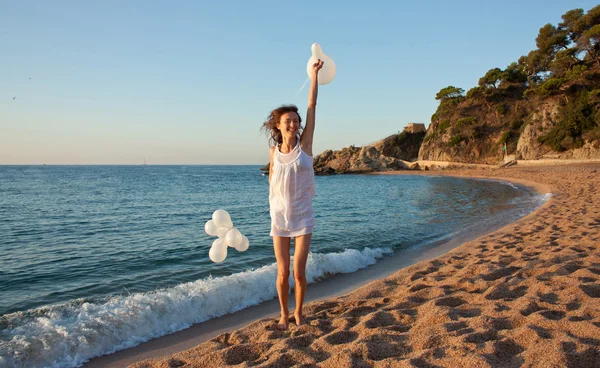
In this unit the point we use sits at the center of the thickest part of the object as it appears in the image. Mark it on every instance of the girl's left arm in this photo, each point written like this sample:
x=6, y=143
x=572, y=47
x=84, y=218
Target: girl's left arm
x=306, y=140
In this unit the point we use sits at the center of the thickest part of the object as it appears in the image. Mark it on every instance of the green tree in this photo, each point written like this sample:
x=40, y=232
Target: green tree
x=514, y=74
x=590, y=41
x=492, y=78
x=449, y=93
x=475, y=92
x=532, y=65
x=572, y=24
x=588, y=31
x=551, y=39
x=564, y=61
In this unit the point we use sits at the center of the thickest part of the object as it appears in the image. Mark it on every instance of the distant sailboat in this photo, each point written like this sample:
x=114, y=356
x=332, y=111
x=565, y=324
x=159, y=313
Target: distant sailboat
x=145, y=164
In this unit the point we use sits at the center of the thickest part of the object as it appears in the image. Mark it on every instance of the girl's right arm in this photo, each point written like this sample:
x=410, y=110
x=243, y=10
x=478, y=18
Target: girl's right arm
x=271, y=163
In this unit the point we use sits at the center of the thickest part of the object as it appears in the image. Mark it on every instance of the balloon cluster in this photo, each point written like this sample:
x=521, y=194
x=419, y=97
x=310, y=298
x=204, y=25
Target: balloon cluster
x=222, y=226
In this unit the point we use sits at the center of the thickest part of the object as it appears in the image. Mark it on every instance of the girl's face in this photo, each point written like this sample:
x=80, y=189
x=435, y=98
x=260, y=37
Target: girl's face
x=289, y=124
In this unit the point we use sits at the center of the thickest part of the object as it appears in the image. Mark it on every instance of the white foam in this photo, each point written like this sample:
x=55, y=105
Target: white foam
x=70, y=334
x=499, y=181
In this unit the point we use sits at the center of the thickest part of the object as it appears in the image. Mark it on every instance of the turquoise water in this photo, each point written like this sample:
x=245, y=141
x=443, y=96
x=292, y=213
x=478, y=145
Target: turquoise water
x=94, y=259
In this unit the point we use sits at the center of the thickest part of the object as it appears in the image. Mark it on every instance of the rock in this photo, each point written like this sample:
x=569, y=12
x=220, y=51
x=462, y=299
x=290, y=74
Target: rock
x=542, y=121
x=391, y=153
x=509, y=163
x=590, y=150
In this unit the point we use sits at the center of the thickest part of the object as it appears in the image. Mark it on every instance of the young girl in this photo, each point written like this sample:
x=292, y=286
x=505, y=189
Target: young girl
x=291, y=189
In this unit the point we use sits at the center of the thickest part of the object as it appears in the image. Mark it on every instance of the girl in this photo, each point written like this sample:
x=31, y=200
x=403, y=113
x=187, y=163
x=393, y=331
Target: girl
x=291, y=189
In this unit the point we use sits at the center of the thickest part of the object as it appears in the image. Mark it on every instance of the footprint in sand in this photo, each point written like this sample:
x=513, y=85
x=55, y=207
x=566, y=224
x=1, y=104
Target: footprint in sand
x=587, y=279
x=579, y=318
x=450, y=302
x=341, y=337
x=553, y=315
x=505, y=354
x=455, y=326
x=550, y=298
x=422, y=363
x=499, y=273
x=505, y=293
x=481, y=337
x=501, y=308
x=300, y=342
x=502, y=324
x=380, y=319
x=594, y=270
x=532, y=307
x=541, y=332
x=359, y=311
x=418, y=287
x=457, y=313
x=324, y=306
x=380, y=347
x=573, y=305
x=174, y=363
x=238, y=354
x=591, y=290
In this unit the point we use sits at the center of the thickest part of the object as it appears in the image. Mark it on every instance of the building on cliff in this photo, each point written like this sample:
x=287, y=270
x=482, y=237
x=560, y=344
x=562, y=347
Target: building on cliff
x=414, y=128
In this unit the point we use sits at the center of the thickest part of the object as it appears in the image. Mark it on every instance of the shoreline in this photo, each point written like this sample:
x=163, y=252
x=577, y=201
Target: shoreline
x=523, y=295
x=334, y=286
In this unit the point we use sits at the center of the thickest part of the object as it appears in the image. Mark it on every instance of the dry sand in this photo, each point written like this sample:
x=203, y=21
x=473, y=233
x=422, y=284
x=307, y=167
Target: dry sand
x=525, y=295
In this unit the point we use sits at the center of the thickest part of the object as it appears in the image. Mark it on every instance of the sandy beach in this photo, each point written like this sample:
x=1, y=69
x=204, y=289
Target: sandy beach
x=525, y=295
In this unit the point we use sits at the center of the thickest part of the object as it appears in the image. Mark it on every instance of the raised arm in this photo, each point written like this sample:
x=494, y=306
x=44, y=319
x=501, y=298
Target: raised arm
x=306, y=140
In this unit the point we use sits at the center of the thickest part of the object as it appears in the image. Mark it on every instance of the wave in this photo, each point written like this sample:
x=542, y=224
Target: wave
x=69, y=334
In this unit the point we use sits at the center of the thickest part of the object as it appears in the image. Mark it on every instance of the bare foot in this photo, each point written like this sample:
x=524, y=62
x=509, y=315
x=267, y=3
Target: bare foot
x=282, y=325
x=299, y=319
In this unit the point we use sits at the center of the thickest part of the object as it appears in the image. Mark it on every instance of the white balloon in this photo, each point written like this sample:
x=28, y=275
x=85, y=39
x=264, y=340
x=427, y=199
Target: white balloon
x=244, y=244
x=211, y=228
x=222, y=231
x=222, y=219
x=327, y=72
x=233, y=238
x=218, y=251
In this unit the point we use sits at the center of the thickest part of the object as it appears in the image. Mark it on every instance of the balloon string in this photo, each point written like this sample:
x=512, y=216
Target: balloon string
x=304, y=85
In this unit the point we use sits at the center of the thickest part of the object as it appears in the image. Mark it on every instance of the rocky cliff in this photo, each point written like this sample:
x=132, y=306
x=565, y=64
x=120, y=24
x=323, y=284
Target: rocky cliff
x=513, y=119
x=474, y=131
x=543, y=120
x=390, y=153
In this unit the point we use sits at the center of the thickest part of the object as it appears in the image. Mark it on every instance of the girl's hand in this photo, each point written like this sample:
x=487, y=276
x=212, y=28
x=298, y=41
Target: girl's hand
x=316, y=67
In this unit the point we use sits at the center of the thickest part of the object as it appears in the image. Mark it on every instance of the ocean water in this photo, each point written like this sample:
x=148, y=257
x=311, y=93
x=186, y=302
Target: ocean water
x=95, y=259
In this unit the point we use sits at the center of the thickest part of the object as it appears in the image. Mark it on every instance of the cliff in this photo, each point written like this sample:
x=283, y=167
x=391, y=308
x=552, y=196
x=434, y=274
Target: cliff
x=478, y=129
x=391, y=153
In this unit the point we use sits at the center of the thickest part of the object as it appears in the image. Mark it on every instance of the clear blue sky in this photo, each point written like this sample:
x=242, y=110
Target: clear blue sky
x=190, y=82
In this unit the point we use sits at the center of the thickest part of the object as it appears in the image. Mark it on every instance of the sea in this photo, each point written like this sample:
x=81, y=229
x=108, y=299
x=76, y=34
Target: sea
x=96, y=259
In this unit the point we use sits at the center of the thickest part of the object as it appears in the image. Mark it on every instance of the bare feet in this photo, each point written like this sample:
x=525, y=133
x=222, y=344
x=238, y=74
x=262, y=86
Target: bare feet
x=299, y=319
x=282, y=325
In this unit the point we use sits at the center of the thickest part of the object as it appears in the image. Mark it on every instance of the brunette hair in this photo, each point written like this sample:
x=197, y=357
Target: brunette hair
x=269, y=127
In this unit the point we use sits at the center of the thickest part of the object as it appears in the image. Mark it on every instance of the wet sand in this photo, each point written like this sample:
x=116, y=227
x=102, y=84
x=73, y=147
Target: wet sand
x=527, y=294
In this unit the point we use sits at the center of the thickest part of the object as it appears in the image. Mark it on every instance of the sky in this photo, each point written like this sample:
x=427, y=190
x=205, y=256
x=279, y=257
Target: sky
x=191, y=82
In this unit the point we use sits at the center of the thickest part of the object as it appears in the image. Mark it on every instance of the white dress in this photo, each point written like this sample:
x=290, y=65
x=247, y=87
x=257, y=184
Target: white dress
x=291, y=192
